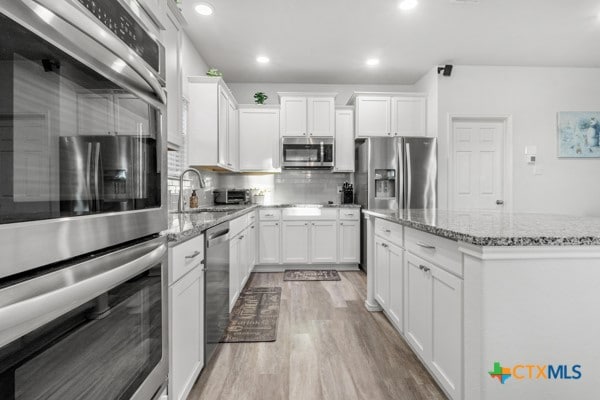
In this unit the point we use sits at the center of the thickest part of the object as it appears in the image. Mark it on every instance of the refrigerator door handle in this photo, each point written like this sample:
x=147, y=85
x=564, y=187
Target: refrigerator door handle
x=97, y=168
x=408, y=175
x=88, y=175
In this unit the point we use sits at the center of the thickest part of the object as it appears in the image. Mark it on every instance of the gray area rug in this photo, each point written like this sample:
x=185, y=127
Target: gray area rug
x=254, y=316
x=311, y=275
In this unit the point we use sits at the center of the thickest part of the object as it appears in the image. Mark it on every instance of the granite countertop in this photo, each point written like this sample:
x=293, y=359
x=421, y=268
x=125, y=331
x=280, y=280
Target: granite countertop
x=499, y=228
x=316, y=205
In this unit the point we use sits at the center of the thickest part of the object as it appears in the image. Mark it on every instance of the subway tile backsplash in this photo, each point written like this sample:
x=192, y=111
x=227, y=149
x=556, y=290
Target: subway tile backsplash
x=205, y=196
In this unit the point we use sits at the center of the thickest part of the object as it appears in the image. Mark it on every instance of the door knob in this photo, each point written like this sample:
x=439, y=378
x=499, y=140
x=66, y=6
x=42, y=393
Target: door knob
x=499, y=202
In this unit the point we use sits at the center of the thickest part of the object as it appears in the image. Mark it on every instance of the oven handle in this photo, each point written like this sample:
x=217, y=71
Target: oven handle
x=33, y=303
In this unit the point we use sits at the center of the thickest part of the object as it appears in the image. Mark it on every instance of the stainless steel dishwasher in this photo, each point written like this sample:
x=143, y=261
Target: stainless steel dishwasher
x=216, y=291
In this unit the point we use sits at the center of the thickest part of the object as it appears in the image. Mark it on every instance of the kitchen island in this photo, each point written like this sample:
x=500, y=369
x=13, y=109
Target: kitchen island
x=493, y=303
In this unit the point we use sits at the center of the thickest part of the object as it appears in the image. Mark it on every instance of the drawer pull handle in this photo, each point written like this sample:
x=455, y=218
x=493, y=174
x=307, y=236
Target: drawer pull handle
x=241, y=237
x=341, y=223
x=388, y=231
x=269, y=215
x=384, y=245
x=424, y=268
x=425, y=245
x=193, y=255
x=349, y=214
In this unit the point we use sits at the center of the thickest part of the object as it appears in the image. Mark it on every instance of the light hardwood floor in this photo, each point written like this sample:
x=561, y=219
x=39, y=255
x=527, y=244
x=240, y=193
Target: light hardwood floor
x=328, y=347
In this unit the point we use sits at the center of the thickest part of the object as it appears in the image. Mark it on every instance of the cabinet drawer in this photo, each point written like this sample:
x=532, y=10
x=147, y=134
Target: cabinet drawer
x=349, y=213
x=309, y=213
x=441, y=251
x=184, y=257
x=237, y=225
x=269, y=214
x=390, y=231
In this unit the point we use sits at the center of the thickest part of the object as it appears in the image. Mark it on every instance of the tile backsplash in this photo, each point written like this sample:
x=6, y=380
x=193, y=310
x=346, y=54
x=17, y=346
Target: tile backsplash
x=205, y=196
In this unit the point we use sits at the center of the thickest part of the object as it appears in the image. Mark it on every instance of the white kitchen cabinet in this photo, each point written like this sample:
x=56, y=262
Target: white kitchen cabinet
x=95, y=114
x=390, y=114
x=295, y=242
x=307, y=114
x=251, y=247
x=349, y=241
x=212, y=131
x=259, y=138
x=417, y=325
x=344, y=140
x=243, y=259
x=172, y=38
x=323, y=242
x=382, y=272
x=396, y=298
x=235, y=269
x=269, y=242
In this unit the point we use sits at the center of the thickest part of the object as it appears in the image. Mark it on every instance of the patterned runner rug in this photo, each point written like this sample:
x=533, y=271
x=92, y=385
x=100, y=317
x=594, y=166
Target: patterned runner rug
x=311, y=275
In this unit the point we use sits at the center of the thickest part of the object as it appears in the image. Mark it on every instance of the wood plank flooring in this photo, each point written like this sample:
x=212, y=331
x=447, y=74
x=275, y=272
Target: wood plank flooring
x=328, y=347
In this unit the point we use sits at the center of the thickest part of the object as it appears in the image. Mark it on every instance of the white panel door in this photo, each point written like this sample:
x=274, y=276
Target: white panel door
x=478, y=169
x=344, y=141
x=259, y=139
x=417, y=314
x=396, y=303
x=323, y=242
x=321, y=116
x=251, y=243
x=232, y=137
x=447, y=320
x=409, y=116
x=373, y=116
x=243, y=260
x=293, y=116
x=234, y=270
x=223, y=123
x=295, y=242
x=349, y=242
x=382, y=273
x=186, y=333
x=269, y=243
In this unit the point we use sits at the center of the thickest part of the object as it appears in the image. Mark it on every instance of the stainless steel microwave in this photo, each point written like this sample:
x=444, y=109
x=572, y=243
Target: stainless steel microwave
x=307, y=153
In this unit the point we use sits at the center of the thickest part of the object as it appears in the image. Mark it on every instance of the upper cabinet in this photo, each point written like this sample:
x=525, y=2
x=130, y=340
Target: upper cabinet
x=172, y=39
x=259, y=138
x=344, y=140
x=307, y=114
x=390, y=114
x=112, y=113
x=213, y=135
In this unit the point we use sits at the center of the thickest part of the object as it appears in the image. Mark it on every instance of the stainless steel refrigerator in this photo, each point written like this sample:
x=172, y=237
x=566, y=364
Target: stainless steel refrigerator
x=394, y=174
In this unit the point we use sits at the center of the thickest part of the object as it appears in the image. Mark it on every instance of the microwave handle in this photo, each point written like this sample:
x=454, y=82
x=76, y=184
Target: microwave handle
x=322, y=153
x=31, y=304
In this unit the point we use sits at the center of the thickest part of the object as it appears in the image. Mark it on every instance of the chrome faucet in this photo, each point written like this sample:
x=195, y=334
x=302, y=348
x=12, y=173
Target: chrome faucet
x=200, y=179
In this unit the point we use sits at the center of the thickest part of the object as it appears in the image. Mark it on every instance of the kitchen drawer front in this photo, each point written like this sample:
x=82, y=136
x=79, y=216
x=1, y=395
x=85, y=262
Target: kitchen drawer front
x=350, y=214
x=185, y=257
x=251, y=217
x=440, y=251
x=237, y=225
x=269, y=214
x=389, y=231
x=309, y=213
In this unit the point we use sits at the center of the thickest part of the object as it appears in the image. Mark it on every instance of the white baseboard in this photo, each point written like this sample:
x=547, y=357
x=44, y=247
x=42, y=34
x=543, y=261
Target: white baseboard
x=281, y=268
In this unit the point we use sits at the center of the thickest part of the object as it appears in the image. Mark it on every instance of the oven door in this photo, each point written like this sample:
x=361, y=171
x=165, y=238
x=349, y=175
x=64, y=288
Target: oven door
x=307, y=153
x=81, y=136
x=92, y=330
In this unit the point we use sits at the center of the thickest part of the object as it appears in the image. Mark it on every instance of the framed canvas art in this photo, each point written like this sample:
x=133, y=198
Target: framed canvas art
x=579, y=134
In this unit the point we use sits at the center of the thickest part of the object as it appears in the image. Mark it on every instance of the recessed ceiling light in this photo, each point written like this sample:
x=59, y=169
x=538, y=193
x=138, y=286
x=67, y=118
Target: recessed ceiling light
x=204, y=9
x=371, y=62
x=406, y=5
x=262, y=59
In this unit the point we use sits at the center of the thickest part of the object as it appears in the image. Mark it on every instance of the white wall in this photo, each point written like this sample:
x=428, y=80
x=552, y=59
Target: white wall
x=192, y=62
x=244, y=92
x=532, y=96
x=429, y=84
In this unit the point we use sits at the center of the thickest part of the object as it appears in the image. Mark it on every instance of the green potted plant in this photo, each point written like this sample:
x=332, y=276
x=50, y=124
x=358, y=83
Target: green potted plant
x=260, y=97
x=214, y=72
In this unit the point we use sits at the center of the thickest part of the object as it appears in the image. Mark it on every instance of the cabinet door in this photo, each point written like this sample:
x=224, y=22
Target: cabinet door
x=223, y=122
x=173, y=73
x=446, y=350
x=295, y=242
x=95, y=114
x=396, y=305
x=409, y=116
x=382, y=273
x=373, y=116
x=417, y=323
x=251, y=243
x=269, y=243
x=293, y=116
x=259, y=139
x=234, y=270
x=186, y=333
x=349, y=242
x=132, y=115
x=344, y=141
x=232, y=137
x=321, y=116
x=243, y=260
x=323, y=243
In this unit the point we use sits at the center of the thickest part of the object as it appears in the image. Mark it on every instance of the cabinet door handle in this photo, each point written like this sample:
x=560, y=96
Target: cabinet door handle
x=276, y=223
x=241, y=237
x=341, y=223
x=269, y=215
x=384, y=245
x=424, y=268
x=193, y=255
x=306, y=223
x=388, y=231
x=252, y=227
x=425, y=245
x=349, y=214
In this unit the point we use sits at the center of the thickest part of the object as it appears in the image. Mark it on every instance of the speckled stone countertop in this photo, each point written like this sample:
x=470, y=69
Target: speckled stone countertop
x=497, y=228
x=317, y=205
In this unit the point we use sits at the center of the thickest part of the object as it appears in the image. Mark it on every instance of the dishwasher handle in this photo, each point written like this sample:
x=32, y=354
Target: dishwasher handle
x=217, y=238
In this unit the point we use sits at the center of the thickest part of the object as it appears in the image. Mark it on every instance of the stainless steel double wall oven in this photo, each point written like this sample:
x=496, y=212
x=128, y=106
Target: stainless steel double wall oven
x=82, y=201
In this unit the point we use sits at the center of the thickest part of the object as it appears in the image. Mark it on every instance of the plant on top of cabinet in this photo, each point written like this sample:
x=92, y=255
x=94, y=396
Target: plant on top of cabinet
x=214, y=72
x=260, y=97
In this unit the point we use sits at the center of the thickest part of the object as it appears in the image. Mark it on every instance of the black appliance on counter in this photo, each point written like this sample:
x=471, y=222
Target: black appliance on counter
x=232, y=196
x=347, y=193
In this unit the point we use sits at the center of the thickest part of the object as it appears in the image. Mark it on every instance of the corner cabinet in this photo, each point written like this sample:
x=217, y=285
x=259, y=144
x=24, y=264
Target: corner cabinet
x=307, y=114
x=259, y=138
x=390, y=114
x=213, y=131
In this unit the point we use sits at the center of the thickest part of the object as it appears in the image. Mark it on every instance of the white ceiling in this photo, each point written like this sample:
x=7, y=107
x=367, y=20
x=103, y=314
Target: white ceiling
x=328, y=41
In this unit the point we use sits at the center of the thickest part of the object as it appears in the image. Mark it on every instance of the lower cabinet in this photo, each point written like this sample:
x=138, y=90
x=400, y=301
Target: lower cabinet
x=234, y=270
x=382, y=273
x=349, y=242
x=389, y=279
x=242, y=250
x=269, y=242
x=433, y=320
x=323, y=246
x=251, y=247
x=295, y=242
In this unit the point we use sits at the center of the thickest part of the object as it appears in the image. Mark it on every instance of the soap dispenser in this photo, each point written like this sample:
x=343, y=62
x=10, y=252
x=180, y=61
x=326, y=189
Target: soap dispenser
x=194, y=200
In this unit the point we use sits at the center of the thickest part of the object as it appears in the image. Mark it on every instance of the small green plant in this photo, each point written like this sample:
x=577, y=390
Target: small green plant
x=260, y=97
x=214, y=72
